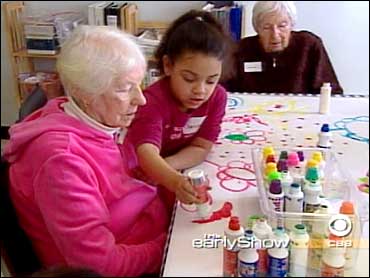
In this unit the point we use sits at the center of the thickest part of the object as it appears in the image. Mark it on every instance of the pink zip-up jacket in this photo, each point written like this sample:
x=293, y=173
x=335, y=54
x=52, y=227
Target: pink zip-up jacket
x=75, y=200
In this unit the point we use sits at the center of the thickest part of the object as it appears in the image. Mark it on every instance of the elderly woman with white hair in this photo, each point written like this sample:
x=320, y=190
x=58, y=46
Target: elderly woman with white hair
x=278, y=59
x=68, y=166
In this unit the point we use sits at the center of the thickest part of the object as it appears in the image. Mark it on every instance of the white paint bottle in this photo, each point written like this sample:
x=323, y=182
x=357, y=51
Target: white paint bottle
x=248, y=257
x=333, y=258
x=325, y=94
x=324, y=137
x=275, y=197
x=201, y=185
x=278, y=256
x=262, y=231
x=230, y=257
x=293, y=203
x=298, y=255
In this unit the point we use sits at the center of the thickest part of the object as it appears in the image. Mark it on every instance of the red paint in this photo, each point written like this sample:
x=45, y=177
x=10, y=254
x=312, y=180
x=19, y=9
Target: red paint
x=224, y=212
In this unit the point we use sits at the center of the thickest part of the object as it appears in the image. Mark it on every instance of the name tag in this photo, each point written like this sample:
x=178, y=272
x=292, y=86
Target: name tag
x=252, y=66
x=193, y=125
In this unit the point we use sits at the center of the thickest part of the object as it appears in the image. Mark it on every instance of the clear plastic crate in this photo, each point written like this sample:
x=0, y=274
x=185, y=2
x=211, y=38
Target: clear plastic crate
x=337, y=187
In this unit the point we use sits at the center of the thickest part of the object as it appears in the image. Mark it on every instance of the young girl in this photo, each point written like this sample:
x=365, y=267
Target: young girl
x=182, y=118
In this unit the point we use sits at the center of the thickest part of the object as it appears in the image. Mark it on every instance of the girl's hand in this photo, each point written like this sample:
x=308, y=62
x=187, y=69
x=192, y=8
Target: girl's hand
x=185, y=191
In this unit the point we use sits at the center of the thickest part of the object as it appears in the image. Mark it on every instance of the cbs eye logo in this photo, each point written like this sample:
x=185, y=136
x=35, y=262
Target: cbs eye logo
x=340, y=225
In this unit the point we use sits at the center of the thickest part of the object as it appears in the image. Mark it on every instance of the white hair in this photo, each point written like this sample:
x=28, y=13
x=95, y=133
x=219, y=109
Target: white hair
x=261, y=8
x=93, y=58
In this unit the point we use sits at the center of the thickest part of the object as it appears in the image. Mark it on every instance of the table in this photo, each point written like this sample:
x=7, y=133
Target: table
x=255, y=120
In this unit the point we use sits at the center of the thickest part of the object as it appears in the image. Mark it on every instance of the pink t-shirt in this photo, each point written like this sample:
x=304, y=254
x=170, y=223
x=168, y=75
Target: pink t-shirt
x=161, y=123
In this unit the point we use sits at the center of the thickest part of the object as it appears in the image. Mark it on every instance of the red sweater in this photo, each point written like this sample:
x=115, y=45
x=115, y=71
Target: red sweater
x=301, y=68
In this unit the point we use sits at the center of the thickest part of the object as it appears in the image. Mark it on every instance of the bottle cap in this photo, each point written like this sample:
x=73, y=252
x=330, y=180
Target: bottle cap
x=261, y=220
x=317, y=156
x=347, y=208
x=312, y=174
x=293, y=159
x=323, y=209
x=248, y=233
x=300, y=155
x=270, y=167
x=275, y=187
x=275, y=175
x=300, y=229
x=311, y=163
x=326, y=85
x=325, y=128
x=334, y=237
x=279, y=231
x=197, y=177
x=294, y=187
x=268, y=150
x=270, y=158
x=283, y=155
x=234, y=223
x=282, y=165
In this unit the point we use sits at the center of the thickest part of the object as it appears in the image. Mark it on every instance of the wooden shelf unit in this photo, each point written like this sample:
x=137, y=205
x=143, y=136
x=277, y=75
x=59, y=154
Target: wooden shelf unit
x=22, y=61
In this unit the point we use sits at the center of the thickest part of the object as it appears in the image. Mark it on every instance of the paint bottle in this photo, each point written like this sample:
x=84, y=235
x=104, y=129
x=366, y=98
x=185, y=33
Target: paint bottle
x=325, y=94
x=275, y=197
x=324, y=137
x=301, y=158
x=267, y=151
x=311, y=163
x=269, y=170
x=270, y=158
x=300, y=168
x=312, y=190
x=348, y=209
x=292, y=161
x=298, y=253
x=321, y=163
x=233, y=231
x=286, y=178
x=201, y=185
x=270, y=167
x=275, y=175
x=293, y=202
x=248, y=257
x=262, y=231
x=278, y=255
x=319, y=233
x=251, y=220
x=283, y=155
x=333, y=258
x=294, y=168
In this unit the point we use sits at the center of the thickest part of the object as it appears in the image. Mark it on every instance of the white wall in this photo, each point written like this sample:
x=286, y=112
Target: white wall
x=148, y=11
x=344, y=28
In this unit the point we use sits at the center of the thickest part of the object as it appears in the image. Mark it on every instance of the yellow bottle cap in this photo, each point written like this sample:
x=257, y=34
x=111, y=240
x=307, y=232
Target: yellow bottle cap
x=270, y=167
x=317, y=156
x=312, y=163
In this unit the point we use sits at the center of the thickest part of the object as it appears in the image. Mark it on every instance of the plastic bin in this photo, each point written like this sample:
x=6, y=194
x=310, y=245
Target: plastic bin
x=337, y=187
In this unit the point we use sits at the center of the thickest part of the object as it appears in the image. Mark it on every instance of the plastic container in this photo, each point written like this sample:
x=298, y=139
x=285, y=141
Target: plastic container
x=337, y=187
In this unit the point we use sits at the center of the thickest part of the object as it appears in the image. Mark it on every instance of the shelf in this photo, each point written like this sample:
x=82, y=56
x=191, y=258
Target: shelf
x=24, y=53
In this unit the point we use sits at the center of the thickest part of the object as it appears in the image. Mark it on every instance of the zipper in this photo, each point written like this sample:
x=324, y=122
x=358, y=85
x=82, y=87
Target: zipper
x=274, y=62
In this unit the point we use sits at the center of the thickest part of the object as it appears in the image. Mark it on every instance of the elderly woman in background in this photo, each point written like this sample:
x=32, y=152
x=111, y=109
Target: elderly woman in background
x=278, y=59
x=69, y=182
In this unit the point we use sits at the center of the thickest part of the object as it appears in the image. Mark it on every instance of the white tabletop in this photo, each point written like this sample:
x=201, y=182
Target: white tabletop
x=280, y=121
